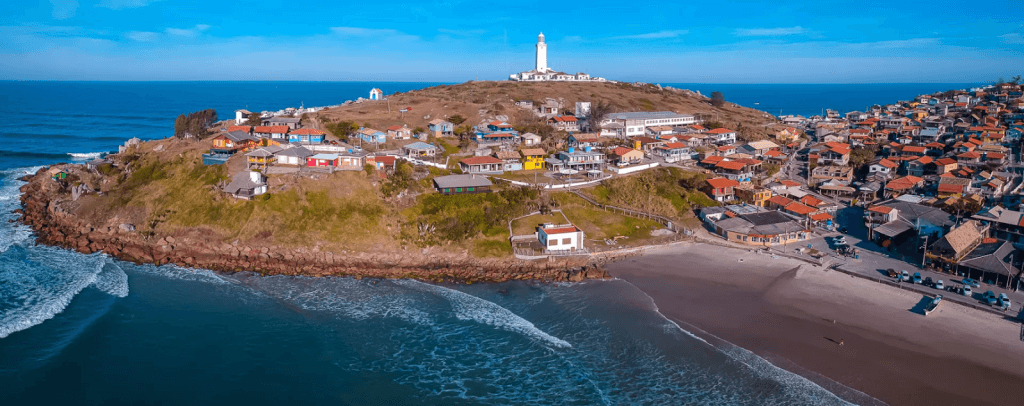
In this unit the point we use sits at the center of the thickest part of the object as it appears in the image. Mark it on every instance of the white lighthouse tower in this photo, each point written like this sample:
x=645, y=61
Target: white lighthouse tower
x=542, y=54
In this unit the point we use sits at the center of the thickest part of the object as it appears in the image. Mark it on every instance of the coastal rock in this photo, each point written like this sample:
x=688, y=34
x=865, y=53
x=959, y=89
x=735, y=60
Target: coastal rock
x=125, y=227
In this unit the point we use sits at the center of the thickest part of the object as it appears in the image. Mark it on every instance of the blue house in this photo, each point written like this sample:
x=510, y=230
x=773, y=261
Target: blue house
x=371, y=135
x=440, y=128
x=307, y=135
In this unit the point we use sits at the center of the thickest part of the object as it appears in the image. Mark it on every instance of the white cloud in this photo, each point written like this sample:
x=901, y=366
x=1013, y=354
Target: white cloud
x=895, y=44
x=654, y=35
x=64, y=9
x=188, y=32
x=769, y=32
x=453, y=32
x=123, y=4
x=1012, y=38
x=142, y=36
x=572, y=38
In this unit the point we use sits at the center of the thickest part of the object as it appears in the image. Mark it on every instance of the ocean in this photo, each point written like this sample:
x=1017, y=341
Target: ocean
x=88, y=329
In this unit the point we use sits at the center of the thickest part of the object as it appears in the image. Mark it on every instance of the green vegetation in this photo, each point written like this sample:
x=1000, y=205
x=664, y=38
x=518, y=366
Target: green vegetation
x=599, y=224
x=342, y=129
x=194, y=124
x=669, y=192
x=646, y=105
x=717, y=99
x=861, y=156
x=771, y=168
x=437, y=218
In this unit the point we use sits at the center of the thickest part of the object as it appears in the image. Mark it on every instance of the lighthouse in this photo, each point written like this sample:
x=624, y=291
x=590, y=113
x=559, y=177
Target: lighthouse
x=542, y=54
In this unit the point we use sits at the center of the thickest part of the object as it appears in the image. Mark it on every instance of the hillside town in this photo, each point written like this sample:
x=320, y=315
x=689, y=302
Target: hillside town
x=933, y=182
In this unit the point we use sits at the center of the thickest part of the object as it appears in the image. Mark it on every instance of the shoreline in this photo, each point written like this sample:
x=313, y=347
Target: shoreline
x=794, y=315
x=54, y=226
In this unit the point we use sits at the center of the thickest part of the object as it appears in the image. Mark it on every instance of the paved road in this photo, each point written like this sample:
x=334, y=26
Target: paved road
x=874, y=261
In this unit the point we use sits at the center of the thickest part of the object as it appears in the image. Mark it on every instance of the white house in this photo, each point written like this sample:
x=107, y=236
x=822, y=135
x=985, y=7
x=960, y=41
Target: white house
x=241, y=116
x=636, y=123
x=376, y=94
x=530, y=139
x=883, y=167
x=564, y=237
x=541, y=72
x=246, y=185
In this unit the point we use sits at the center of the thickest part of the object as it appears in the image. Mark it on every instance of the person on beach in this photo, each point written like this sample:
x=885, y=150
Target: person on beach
x=840, y=341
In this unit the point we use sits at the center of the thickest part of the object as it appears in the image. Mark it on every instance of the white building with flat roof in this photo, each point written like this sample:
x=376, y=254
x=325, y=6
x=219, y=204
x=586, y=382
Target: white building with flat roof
x=543, y=73
x=635, y=123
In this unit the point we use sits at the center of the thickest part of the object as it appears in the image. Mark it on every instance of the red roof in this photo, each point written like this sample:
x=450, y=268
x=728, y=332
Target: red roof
x=711, y=160
x=697, y=127
x=385, y=159
x=275, y=129
x=773, y=153
x=719, y=183
x=925, y=160
x=726, y=148
x=880, y=209
x=811, y=201
x=935, y=145
x=821, y=217
x=995, y=155
x=969, y=155
x=479, y=160
x=887, y=163
x=913, y=149
x=780, y=200
x=560, y=230
x=800, y=208
x=950, y=188
x=720, y=131
x=395, y=127
x=730, y=165
x=674, y=145
x=945, y=161
x=620, y=151
x=308, y=131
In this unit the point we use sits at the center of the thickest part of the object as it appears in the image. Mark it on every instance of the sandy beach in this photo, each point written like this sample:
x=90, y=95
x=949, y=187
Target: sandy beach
x=796, y=315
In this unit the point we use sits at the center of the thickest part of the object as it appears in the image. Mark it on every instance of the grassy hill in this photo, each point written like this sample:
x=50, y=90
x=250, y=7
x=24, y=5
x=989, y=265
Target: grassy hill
x=479, y=101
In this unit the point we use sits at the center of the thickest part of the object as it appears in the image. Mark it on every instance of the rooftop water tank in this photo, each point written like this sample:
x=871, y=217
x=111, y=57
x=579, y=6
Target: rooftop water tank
x=572, y=149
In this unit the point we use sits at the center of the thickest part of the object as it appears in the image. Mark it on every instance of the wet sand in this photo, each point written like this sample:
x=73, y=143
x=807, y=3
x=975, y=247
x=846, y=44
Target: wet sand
x=795, y=315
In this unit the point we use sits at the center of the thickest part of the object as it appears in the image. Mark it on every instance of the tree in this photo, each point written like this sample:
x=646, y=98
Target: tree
x=457, y=119
x=253, y=120
x=418, y=130
x=195, y=124
x=1015, y=80
x=342, y=129
x=598, y=110
x=717, y=99
x=861, y=156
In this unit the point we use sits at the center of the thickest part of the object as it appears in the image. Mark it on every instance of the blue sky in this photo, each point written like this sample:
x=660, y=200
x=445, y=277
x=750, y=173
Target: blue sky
x=816, y=41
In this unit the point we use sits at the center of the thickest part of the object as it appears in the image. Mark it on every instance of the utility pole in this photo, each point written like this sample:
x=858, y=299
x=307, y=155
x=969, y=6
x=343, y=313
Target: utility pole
x=924, y=254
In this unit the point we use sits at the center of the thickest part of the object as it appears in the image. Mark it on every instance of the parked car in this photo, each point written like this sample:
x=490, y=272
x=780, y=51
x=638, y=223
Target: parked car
x=990, y=298
x=1004, y=300
x=917, y=278
x=905, y=276
x=928, y=282
x=966, y=291
x=972, y=283
x=938, y=284
x=892, y=273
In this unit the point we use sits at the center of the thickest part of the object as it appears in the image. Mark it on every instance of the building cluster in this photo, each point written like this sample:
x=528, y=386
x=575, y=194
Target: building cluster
x=542, y=73
x=940, y=172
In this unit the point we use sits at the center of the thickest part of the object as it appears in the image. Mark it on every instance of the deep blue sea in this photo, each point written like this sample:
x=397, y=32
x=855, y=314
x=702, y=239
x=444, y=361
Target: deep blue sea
x=86, y=329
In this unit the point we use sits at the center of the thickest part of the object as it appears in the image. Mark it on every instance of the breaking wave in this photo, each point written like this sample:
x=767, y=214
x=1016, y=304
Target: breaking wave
x=469, y=307
x=86, y=155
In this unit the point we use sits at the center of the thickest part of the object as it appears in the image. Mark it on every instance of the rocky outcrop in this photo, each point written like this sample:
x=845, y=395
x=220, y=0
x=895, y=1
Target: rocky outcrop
x=42, y=210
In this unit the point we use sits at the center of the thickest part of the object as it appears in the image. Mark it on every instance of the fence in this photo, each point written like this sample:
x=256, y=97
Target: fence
x=415, y=161
x=631, y=169
x=629, y=212
x=559, y=186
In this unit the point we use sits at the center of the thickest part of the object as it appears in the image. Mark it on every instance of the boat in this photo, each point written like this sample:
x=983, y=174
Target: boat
x=936, y=301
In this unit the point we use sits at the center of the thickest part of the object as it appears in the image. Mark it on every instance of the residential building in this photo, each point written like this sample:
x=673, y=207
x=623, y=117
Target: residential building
x=247, y=185
x=293, y=156
x=481, y=165
x=751, y=225
x=372, y=135
x=462, y=184
x=722, y=189
x=277, y=132
x=564, y=123
x=635, y=123
x=674, y=151
x=530, y=139
x=242, y=116
x=723, y=136
x=290, y=122
x=622, y=156
x=533, y=159
x=828, y=173
x=560, y=237
x=400, y=132
x=753, y=195
x=307, y=135
x=582, y=140
x=419, y=149
x=576, y=160
x=511, y=160
x=440, y=128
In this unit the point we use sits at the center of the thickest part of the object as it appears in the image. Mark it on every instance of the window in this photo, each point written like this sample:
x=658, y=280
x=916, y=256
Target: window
x=447, y=190
x=458, y=189
x=552, y=243
x=566, y=241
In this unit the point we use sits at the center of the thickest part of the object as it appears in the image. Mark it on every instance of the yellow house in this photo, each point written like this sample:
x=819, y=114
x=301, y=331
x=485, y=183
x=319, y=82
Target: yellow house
x=751, y=195
x=533, y=159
